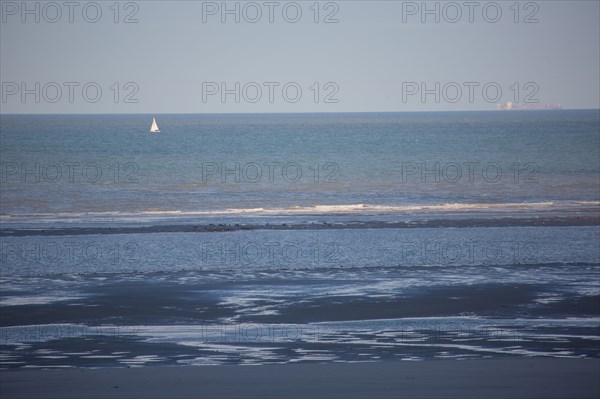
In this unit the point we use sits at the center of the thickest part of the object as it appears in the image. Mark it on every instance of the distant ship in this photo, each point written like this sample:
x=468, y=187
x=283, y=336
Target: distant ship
x=527, y=106
x=154, y=127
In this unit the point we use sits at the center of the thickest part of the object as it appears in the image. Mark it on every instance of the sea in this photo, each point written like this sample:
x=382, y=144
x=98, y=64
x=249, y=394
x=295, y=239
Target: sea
x=279, y=238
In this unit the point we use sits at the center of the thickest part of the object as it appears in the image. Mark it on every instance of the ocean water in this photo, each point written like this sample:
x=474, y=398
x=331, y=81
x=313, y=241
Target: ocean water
x=65, y=166
x=251, y=239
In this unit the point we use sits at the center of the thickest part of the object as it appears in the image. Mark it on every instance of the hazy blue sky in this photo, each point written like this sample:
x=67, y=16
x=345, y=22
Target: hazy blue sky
x=372, y=59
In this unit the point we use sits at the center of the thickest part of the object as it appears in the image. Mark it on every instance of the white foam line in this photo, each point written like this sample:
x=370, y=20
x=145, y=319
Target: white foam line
x=292, y=210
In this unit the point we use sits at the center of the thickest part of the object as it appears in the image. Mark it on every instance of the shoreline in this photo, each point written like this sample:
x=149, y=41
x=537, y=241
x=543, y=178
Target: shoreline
x=489, y=378
x=333, y=315
x=554, y=221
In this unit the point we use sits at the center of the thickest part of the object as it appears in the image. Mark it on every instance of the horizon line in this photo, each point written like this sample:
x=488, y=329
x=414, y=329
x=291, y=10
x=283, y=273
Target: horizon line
x=299, y=113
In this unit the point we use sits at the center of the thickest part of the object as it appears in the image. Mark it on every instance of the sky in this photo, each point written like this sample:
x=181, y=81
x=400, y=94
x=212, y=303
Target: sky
x=157, y=57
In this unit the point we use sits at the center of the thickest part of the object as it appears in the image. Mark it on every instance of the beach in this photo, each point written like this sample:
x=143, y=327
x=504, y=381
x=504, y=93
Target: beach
x=489, y=378
x=253, y=312
x=300, y=199
x=378, y=281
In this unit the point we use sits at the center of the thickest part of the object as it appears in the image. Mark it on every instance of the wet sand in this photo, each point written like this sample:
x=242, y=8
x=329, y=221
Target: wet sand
x=487, y=378
x=137, y=303
x=214, y=320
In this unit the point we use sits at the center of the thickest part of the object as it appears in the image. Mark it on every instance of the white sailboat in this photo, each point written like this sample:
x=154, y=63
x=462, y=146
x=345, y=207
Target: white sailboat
x=154, y=127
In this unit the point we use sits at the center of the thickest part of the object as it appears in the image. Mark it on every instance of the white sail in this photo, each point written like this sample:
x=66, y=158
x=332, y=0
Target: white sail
x=154, y=127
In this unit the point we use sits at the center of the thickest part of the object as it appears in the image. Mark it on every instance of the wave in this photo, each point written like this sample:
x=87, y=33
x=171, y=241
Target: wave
x=153, y=214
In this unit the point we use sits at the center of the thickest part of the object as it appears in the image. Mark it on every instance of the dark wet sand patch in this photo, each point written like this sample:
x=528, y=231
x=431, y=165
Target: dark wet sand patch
x=140, y=303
